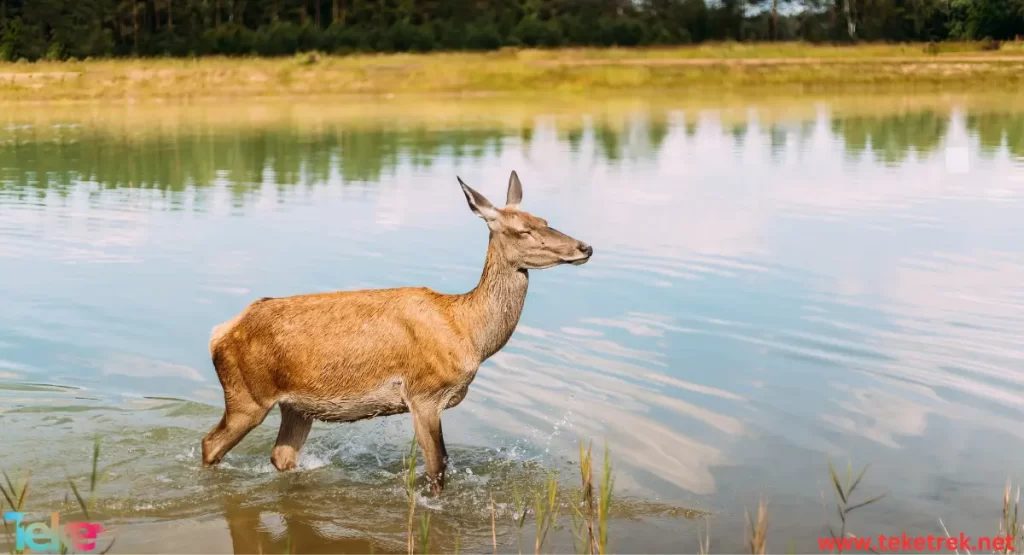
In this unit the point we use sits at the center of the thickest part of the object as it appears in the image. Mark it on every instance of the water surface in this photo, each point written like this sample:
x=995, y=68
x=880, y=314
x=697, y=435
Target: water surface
x=775, y=284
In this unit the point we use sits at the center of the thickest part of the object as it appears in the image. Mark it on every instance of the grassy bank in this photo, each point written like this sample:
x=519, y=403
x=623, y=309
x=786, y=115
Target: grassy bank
x=789, y=66
x=506, y=114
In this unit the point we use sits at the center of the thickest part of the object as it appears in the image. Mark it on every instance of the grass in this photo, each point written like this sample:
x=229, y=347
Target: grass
x=590, y=523
x=410, y=491
x=542, y=73
x=844, y=499
x=589, y=505
x=1009, y=526
x=16, y=495
x=757, y=531
x=142, y=123
x=590, y=518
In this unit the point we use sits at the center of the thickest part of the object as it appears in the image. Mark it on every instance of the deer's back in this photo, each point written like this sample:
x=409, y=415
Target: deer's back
x=349, y=345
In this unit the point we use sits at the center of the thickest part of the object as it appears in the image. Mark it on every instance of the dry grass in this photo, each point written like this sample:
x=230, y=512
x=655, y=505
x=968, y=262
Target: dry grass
x=409, y=482
x=144, y=120
x=1009, y=526
x=590, y=520
x=571, y=72
x=757, y=531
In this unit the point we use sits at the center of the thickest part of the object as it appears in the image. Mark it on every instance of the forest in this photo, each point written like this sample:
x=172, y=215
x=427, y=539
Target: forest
x=78, y=29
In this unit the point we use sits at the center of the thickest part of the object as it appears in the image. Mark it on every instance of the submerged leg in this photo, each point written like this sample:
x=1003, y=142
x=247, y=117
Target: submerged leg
x=240, y=417
x=426, y=419
x=294, y=430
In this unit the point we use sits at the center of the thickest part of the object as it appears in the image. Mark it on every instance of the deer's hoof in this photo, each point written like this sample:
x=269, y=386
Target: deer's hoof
x=284, y=459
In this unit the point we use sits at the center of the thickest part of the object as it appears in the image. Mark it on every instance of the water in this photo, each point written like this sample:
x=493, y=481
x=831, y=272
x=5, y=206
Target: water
x=776, y=283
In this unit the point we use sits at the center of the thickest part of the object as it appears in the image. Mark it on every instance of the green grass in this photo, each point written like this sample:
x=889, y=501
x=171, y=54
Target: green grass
x=590, y=521
x=409, y=482
x=844, y=499
x=565, y=72
x=15, y=494
x=1009, y=525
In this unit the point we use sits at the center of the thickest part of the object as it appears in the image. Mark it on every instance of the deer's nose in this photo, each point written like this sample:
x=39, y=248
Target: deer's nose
x=586, y=249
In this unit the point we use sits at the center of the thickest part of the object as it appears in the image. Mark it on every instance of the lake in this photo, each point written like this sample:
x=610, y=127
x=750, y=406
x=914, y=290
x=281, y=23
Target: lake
x=776, y=283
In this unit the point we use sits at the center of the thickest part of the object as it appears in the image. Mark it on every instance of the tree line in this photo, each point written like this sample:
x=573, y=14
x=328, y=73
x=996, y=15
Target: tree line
x=61, y=29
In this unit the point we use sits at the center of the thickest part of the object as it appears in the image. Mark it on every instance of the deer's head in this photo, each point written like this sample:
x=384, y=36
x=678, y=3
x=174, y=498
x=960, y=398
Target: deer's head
x=524, y=240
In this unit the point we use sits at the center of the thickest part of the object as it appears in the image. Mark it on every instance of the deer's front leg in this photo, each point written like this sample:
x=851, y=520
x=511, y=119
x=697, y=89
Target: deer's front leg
x=426, y=419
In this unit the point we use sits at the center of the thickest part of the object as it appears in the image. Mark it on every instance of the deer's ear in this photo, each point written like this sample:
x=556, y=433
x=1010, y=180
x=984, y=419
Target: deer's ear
x=515, y=192
x=477, y=203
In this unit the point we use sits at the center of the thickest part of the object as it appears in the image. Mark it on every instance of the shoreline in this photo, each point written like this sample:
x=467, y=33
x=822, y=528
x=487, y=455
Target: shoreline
x=509, y=112
x=568, y=74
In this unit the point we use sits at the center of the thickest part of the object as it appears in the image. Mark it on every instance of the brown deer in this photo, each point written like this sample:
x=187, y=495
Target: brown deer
x=350, y=355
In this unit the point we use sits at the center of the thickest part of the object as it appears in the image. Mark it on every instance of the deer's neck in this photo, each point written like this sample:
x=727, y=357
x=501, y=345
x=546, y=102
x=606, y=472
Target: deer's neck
x=492, y=309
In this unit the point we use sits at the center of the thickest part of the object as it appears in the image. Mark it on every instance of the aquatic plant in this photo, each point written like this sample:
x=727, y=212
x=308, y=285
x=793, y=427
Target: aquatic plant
x=1009, y=525
x=410, y=490
x=16, y=495
x=590, y=521
x=546, y=509
x=757, y=533
x=844, y=503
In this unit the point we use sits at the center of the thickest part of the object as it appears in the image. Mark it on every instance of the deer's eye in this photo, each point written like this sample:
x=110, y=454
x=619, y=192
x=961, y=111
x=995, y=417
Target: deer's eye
x=524, y=233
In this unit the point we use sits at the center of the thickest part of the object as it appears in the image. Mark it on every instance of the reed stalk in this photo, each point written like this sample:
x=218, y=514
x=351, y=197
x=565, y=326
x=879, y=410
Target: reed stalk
x=844, y=502
x=410, y=491
x=757, y=534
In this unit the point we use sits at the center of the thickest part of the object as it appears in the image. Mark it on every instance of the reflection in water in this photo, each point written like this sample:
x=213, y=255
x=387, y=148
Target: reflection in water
x=61, y=157
x=996, y=130
x=281, y=527
x=769, y=289
x=891, y=139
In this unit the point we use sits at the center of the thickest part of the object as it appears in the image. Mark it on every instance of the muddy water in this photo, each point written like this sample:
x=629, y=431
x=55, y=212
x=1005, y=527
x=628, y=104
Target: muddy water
x=775, y=284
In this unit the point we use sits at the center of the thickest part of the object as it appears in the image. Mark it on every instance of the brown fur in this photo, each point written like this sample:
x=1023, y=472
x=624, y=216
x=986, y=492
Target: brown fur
x=351, y=355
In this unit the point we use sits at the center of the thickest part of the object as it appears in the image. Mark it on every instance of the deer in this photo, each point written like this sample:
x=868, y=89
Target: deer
x=351, y=355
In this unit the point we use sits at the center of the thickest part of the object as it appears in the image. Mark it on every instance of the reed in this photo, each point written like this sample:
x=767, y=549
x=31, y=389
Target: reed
x=494, y=529
x=519, y=512
x=757, y=532
x=605, y=503
x=93, y=476
x=425, y=533
x=583, y=509
x=844, y=503
x=15, y=494
x=589, y=512
x=546, y=510
x=409, y=481
x=1009, y=526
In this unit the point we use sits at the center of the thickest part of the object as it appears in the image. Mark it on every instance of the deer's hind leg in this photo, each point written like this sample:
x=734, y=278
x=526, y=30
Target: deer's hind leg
x=294, y=430
x=242, y=412
x=240, y=417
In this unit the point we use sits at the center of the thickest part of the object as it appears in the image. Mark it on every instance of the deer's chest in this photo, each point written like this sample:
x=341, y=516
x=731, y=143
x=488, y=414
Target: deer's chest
x=460, y=388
